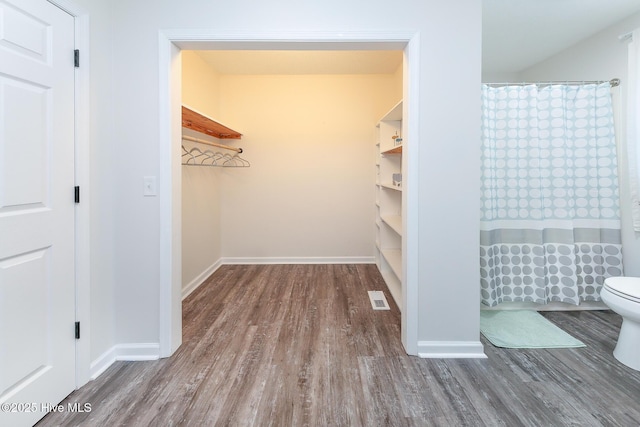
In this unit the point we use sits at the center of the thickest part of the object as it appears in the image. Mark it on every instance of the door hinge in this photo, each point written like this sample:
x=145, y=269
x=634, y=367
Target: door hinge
x=77, y=330
x=77, y=194
x=76, y=58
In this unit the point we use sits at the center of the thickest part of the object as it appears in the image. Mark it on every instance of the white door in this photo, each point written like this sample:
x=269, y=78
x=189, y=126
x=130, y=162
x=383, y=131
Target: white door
x=37, y=288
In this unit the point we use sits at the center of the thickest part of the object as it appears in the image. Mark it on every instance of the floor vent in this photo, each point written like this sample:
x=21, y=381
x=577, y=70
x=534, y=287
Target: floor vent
x=378, y=301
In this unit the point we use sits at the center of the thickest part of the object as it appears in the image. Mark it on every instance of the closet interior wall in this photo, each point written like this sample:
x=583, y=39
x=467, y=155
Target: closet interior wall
x=309, y=195
x=201, y=216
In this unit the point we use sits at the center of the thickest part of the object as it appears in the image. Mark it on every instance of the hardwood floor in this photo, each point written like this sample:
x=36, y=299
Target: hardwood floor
x=299, y=345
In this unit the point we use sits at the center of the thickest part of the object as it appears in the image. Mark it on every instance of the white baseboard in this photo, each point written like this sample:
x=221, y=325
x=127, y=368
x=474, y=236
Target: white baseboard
x=298, y=260
x=451, y=350
x=132, y=352
x=200, y=278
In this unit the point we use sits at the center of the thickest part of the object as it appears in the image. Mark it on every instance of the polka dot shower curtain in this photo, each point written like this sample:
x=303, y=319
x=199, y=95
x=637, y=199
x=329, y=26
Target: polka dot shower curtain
x=550, y=220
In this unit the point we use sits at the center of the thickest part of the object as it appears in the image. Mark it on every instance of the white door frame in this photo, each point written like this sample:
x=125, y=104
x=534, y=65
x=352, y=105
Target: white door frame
x=82, y=173
x=170, y=44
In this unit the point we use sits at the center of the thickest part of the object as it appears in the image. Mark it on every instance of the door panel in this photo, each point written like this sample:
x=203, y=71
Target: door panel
x=37, y=283
x=28, y=275
x=24, y=33
x=26, y=146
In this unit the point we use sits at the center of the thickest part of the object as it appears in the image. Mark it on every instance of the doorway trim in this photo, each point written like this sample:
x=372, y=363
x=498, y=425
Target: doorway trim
x=82, y=168
x=171, y=42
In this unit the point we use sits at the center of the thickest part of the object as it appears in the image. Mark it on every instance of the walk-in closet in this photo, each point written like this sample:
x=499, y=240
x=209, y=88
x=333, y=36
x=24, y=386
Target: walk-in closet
x=291, y=157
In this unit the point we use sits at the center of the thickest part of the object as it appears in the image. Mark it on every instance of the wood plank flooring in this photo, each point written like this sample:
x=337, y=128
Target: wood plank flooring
x=299, y=345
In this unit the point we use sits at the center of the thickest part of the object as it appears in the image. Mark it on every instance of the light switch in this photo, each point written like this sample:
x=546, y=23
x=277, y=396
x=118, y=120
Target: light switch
x=150, y=188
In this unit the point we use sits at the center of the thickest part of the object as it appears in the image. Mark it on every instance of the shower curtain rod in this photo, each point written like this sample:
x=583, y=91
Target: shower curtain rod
x=215, y=144
x=625, y=36
x=612, y=82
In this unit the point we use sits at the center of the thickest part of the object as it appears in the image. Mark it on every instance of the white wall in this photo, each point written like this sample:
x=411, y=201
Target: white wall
x=449, y=168
x=201, y=216
x=125, y=119
x=602, y=57
x=309, y=193
x=500, y=77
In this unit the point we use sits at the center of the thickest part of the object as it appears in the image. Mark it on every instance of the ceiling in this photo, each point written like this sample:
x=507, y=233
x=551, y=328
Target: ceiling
x=517, y=34
x=303, y=62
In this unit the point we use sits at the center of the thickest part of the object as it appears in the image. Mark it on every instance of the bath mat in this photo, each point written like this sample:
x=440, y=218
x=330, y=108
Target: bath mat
x=523, y=329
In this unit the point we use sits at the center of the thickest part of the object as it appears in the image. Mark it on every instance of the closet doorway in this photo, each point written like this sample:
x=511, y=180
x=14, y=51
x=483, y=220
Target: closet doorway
x=254, y=150
x=300, y=191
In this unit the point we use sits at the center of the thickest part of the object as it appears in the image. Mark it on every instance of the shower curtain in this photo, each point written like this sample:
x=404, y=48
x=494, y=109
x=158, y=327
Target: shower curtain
x=550, y=220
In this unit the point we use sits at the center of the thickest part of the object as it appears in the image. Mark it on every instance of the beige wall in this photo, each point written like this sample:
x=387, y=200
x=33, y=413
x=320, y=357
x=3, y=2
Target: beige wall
x=200, y=85
x=310, y=140
x=201, y=240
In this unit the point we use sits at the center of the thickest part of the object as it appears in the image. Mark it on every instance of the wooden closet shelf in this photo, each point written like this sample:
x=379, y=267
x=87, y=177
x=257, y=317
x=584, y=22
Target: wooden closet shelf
x=394, y=150
x=207, y=126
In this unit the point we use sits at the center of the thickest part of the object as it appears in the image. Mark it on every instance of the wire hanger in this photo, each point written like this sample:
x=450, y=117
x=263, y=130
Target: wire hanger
x=196, y=157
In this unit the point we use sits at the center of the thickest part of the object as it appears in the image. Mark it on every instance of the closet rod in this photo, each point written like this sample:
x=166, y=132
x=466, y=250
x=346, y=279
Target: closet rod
x=215, y=144
x=612, y=82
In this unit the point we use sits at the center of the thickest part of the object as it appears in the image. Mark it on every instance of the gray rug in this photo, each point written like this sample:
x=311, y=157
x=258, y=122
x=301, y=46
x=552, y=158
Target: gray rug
x=523, y=329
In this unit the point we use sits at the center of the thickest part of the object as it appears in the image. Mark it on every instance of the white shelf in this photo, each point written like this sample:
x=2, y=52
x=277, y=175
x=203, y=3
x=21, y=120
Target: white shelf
x=394, y=259
x=395, y=286
x=390, y=186
x=395, y=113
x=393, y=221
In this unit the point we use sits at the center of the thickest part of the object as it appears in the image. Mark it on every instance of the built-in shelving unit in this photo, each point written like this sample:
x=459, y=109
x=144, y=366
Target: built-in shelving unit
x=389, y=223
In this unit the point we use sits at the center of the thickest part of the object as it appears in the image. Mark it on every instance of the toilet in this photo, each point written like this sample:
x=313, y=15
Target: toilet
x=622, y=295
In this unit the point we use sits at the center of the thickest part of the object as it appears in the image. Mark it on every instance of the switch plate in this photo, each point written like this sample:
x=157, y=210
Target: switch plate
x=150, y=187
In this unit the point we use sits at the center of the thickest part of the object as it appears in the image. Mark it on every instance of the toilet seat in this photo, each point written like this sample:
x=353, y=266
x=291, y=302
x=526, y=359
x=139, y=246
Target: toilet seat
x=622, y=295
x=624, y=287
